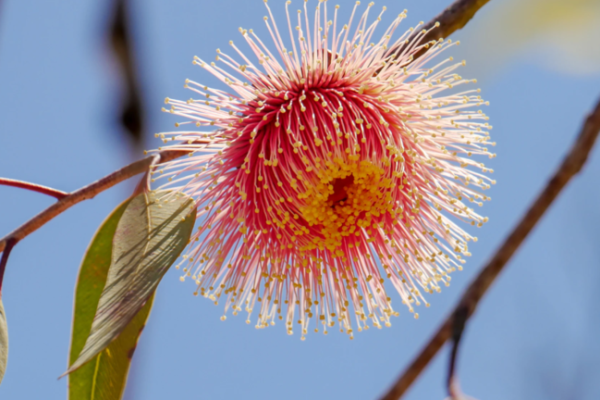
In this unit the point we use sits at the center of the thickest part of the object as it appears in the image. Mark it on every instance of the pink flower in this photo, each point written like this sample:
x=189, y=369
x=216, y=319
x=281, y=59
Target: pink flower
x=327, y=173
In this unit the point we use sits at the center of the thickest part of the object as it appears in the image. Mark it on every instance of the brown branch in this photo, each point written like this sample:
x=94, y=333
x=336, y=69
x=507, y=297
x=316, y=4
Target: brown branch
x=453, y=18
x=87, y=192
x=570, y=166
x=59, y=194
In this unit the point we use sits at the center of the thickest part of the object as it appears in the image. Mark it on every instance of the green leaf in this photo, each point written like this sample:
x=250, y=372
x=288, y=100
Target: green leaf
x=3, y=341
x=148, y=239
x=105, y=376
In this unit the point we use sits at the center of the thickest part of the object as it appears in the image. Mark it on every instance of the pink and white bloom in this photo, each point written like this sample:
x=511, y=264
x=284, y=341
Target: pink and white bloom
x=328, y=172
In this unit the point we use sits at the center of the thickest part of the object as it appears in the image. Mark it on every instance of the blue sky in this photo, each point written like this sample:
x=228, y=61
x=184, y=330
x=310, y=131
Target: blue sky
x=533, y=336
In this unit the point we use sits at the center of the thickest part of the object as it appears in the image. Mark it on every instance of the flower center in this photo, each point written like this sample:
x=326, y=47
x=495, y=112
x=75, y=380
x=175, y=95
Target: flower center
x=349, y=199
x=339, y=190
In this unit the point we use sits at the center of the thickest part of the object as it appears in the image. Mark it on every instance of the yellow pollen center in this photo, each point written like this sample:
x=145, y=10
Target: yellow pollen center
x=346, y=198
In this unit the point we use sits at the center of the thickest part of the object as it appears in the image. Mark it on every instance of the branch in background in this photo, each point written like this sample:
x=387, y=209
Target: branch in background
x=132, y=115
x=453, y=18
x=570, y=166
x=86, y=192
x=59, y=194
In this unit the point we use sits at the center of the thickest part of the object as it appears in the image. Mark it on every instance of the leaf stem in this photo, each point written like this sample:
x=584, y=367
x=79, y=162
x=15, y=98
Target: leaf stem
x=4, y=260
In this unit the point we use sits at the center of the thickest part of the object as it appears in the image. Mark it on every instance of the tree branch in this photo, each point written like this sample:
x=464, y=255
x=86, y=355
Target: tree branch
x=570, y=166
x=453, y=18
x=87, y=192
x=59, y=194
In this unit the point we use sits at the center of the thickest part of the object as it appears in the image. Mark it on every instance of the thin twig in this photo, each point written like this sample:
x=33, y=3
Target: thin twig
x=86, y=192
x=570, y=166
x=59, y=194
x=459, y=319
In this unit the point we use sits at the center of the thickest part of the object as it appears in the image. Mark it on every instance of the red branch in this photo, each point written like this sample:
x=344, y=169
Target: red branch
x=87, y=192
x=59, y=194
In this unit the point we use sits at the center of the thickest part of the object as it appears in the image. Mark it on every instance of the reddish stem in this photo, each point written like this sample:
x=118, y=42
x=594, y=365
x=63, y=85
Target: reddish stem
x=10, y=243
x=58, y=194
x=87, y=192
